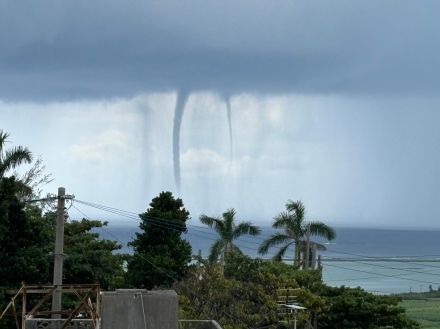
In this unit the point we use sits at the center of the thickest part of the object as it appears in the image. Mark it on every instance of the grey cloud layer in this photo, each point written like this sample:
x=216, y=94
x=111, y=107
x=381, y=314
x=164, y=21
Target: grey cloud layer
x=61, y=49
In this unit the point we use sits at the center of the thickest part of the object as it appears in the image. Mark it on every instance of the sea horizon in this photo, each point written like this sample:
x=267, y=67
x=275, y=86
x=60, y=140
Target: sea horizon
x=382, y=261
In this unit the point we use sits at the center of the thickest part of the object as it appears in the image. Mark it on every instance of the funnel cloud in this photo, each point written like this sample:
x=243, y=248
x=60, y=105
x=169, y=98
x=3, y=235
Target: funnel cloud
x=182, y=97
x=229, y=114
x=181, y=100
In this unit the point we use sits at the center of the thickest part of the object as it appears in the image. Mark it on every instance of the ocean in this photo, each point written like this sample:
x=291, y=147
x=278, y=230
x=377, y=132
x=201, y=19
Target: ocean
x=377, y=260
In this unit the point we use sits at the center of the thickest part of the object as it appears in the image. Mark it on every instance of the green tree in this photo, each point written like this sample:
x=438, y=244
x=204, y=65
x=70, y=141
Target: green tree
x=246, y=295
x=205, y=293
x=25, y=239
x=295, y=229
x=354, y=308
x=244, y=268
x=228, y=231
x=89, y=258
x=160, y=256
x=25, y=244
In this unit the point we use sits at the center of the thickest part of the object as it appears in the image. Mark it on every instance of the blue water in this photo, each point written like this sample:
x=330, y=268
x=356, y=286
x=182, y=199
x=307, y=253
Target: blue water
x=354, y=258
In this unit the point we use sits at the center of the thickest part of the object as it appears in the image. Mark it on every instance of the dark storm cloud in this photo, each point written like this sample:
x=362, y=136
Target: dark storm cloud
x=83, y=49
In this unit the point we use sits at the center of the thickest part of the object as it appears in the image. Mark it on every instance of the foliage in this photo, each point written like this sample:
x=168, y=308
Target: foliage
x=27, y=246
x=245, y=296
x=356, y=308
x=244, y=268
x=90, y=259
x=25, y=239
x=206, y=294
x=228, y=231
x=295, y=230
x=160, y=256
x=24, y=244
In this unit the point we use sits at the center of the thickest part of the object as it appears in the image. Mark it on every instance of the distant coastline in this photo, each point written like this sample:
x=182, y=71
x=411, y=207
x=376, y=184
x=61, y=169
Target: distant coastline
x=378, y=260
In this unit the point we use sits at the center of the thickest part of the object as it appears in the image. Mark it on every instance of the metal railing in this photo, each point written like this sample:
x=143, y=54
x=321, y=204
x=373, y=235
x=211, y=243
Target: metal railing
x=38, y=323
x=198, y=324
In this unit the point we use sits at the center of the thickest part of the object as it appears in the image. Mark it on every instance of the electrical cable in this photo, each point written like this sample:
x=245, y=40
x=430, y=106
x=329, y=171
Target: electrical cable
x=382, y=275
x=135, y=216
x=376, y=257
x=393, y=268
x=168, y=225
x=376, y=275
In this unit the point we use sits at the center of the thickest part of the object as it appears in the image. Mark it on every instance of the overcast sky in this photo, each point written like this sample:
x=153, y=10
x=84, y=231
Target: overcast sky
x=335, y=103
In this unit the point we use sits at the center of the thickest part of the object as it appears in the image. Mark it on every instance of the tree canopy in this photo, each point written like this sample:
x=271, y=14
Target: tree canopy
x=245, y=296
x=25, y=239
x=161, y=255
x=354, y=308
x=90, y=259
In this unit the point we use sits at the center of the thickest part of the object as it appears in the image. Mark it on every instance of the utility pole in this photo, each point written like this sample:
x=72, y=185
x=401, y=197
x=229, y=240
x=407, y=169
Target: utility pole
x=59, y=252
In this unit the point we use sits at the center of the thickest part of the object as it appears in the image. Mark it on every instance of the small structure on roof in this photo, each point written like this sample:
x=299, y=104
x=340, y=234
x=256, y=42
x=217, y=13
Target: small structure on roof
x=294, y=309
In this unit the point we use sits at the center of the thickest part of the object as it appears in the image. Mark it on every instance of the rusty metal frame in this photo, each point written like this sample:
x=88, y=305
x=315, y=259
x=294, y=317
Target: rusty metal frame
x=85, y=293
x=11, y=304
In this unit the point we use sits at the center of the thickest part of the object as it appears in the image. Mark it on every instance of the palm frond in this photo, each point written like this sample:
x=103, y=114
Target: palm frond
x=228, y=221
x=213, y=222
x=275, y=239
x=245, y=228
x=280, y=253
x=319, y=246
x=13, y=158
x=3, y=138
x=322, y=230
x=216, y=250
x=24, y=191
x=302, y=244
x=284, y=219
x=229, y=215
x=296, y=207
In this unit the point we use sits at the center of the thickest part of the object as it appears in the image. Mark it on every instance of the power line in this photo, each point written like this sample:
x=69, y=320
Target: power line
x=392, y=268
x=174, y=226
x=376, y=275
x=355, y=279
x=133, y=215
x=376, y=257
x=398, y=276
x=168, y=225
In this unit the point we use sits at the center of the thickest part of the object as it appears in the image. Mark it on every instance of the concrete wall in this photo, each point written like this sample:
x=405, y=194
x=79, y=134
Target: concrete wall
x=139, y=309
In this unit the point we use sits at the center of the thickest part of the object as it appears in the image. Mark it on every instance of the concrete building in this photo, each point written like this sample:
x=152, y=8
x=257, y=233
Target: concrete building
x=142, y=309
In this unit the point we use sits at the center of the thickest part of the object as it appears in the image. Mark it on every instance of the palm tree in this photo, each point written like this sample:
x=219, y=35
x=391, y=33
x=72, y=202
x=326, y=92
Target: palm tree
x=228, y=231
x=12, y=158
x=296, y=232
